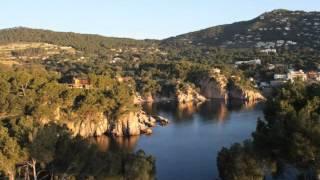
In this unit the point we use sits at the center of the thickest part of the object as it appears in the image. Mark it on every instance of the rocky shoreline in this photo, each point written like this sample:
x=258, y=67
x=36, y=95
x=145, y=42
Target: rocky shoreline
x=128, y=124
x=218, y=86
x=132, y=123
x=210, y=90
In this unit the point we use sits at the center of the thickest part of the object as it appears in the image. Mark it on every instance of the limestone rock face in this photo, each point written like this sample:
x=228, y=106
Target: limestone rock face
x=97, y=124
x=94, y=125
x=189, y=95
x=133, y=123
x=214, y=86
x=245, y=94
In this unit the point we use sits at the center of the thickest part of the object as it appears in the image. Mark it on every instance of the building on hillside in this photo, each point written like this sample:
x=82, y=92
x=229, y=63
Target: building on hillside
x=283, y=67
x=80, y=83
x=252, y=62
x=279, y=76
x=264, y=85
x=121, y=79
x=313, y=75
x=116, y=59
x=271, y=66
x=294, y=75
x=269, y=51
x=277, y=83
x=216, y=70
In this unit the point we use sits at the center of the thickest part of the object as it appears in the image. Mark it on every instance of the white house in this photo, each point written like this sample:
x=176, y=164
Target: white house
x=255, y=61
x=279, y=76
x=269, y=51
x=292, y=75
x=271, y=66
x=216, y=70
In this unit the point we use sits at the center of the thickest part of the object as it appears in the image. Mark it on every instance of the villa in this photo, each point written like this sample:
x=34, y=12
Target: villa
x=255, y=61
x=269, y=51
x=279, y=76
x=313, y=75
x=293, y=75
x=83, y=83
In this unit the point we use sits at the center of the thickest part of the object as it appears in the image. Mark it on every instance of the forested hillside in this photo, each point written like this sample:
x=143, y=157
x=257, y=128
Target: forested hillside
x=286, y=140
x=280, y=29
x=59, y=88
x=83, y=42
x=283, y=31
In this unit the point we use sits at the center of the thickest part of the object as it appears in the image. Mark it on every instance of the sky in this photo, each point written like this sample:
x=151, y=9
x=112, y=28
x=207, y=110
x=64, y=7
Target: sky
x=140, y=19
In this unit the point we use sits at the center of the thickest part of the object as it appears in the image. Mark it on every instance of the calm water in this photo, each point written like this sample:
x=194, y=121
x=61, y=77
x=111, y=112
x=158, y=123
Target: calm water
x=187, y=148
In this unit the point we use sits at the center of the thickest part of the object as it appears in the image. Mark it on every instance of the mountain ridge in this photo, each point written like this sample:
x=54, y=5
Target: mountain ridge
x=92, y=43
x=296, y=28
x=278, y=29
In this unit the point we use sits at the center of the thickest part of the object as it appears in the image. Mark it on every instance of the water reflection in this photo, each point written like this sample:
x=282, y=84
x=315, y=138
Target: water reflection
x=237, y=105
x=210, y=110
x=106, y=143
x=195, y=134
x=214, y=110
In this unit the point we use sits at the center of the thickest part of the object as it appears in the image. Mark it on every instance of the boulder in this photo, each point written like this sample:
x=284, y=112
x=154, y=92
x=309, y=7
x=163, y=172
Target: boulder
x=133, y=123
x=161, y=120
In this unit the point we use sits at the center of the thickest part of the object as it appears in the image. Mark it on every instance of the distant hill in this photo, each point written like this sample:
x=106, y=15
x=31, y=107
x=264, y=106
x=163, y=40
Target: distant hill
x=83, y=42
x=275, y=29
x=278, y=29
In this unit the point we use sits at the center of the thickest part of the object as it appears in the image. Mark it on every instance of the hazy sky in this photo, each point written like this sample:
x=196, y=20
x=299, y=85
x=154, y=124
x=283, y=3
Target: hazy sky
x=137, y=18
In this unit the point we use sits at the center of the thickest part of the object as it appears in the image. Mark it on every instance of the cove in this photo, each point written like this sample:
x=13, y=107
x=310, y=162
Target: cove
x=187, y=148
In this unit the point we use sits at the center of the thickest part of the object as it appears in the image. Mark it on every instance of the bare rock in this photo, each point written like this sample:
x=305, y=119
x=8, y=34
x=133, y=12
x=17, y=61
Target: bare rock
x=94, y=125
x=189, y=95
x=214, y=86
x=161, y=120
x=245, y=94
x=133, y=123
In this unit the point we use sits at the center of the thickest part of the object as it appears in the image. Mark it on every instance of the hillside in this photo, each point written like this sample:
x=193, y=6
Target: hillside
x=276, y=29
x=280, y=30
x=83, y=42
x=14, y=51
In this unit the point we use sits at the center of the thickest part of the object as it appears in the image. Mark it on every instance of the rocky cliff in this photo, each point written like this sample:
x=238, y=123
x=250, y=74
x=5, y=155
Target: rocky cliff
x=133, y=123
x=97, y=124
x=245, y=94
x=94, y=125
x=214, y=86
x=188, y=95
x=217, y=86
